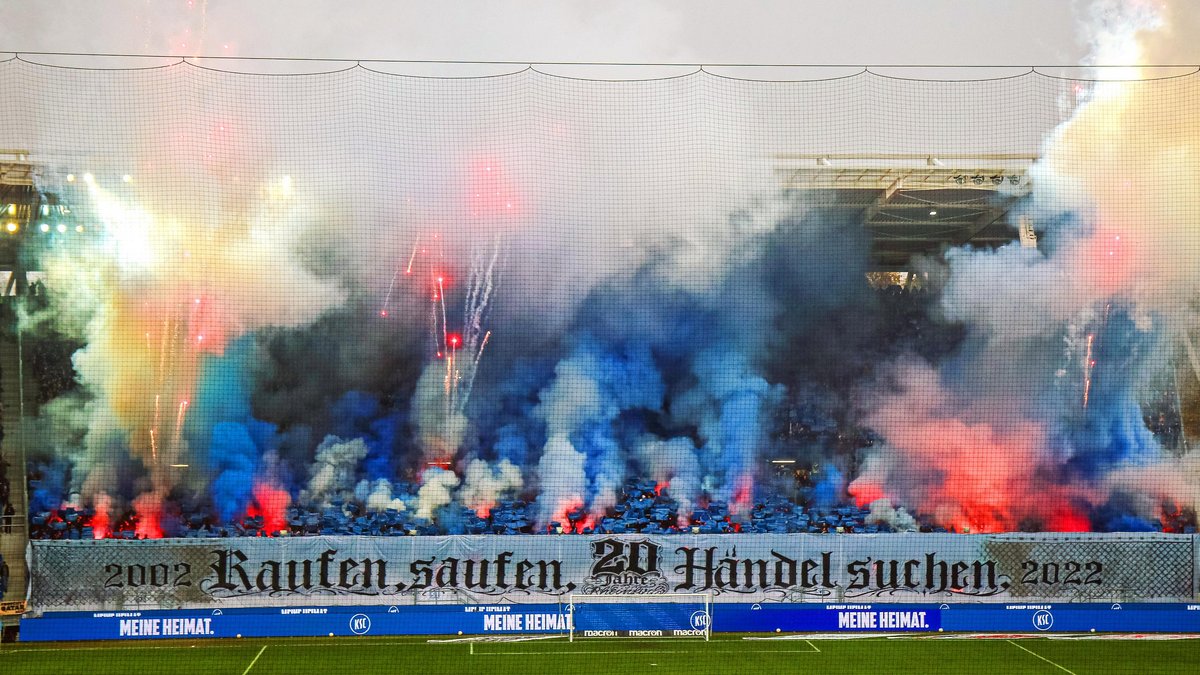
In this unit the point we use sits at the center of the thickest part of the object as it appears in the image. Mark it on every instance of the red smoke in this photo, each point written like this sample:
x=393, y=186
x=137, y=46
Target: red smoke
x=1106, y=261
x=271, y=502
x=740, y=503
x=980, y=473
x=1066, y=519
x=865, y=493
x=102, y=503
x=148, y=524
x=564, y=507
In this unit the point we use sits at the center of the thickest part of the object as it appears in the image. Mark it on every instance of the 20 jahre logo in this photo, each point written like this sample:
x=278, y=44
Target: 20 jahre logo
x=625, y=567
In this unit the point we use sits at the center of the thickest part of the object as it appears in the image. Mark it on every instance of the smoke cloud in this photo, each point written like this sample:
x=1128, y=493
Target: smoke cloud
x=433, y=296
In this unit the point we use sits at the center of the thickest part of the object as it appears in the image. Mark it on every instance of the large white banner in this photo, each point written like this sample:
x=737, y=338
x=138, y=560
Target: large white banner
x=106, y=575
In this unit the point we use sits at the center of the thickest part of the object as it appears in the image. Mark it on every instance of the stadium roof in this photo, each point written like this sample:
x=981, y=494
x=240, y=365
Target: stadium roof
x=911, y=204
x=915, y=203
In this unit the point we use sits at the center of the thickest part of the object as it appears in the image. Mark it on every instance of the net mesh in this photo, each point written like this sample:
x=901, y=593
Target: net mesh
x=640, y=616
x=369, y=304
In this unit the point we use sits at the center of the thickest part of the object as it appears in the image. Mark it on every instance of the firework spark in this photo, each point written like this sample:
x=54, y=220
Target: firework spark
x=1088, y=364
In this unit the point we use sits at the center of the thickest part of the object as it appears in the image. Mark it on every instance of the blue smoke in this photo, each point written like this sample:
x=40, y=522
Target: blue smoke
x=49, y=493
x=220, y=420
x=360, y=415
x=1111, y=431
x=830, y=489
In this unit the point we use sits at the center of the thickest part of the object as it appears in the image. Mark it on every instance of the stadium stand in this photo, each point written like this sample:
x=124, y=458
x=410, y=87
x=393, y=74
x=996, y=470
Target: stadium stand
x=794, y=504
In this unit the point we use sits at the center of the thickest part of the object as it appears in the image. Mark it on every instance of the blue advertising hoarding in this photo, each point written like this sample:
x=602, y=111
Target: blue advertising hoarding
x=555, y=618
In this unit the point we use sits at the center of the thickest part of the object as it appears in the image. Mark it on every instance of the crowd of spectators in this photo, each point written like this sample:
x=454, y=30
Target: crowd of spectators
x=50, y=362
x=1161, y=414
x=789, y=502
x=642, y=508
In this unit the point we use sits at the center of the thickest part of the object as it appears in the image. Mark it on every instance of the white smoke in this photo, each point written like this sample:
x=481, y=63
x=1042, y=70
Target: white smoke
x=440, y=426
x=573, y=398
x=333, y=471
x=562, y=481
x=377, y=495
x=437, y=490
x=675, y=463
x=484, y=484
x=899, y=519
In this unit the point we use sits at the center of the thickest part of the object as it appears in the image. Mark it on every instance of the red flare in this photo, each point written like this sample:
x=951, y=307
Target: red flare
x=101, y=521
x=741, y=495
x=564, y=507
x=148, y=522
x=271, y=502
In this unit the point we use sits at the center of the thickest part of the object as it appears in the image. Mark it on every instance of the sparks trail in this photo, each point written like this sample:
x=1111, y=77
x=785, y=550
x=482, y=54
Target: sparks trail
x=459, y=380
x=387, y=298
x=176, y=351
x=440, y=296
x=411, y=258
x=1089, y=360
x=177, y=439
x=457, y=348
x=1088, y=364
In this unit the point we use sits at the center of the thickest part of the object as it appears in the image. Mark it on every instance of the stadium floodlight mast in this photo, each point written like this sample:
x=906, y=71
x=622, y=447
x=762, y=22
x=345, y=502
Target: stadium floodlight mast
x=684, y=615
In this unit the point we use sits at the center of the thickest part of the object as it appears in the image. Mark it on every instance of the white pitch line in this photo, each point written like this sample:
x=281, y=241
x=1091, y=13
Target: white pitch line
x=561, y=653
x=38, y=650
x=756, y=651
x=264, y=648
x=810, y=644
x=1039, y=656
x=35, y=650
x=260, y=653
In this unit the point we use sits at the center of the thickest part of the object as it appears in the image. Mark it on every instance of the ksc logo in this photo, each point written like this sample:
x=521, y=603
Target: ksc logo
x=699, y=620
x=1043, y=620
x=360, y=624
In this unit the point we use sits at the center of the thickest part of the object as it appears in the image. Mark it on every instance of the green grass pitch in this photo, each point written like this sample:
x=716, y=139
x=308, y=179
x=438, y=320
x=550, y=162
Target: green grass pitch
x=724, y=654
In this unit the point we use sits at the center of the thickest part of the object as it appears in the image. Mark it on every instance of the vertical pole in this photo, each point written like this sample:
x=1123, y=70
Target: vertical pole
x=21, y=419
x=708, y=612
x=24, y=459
